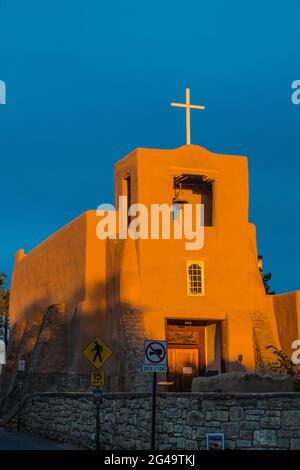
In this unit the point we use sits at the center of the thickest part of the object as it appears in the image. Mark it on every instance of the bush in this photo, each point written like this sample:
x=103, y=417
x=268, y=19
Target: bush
x=283, y=365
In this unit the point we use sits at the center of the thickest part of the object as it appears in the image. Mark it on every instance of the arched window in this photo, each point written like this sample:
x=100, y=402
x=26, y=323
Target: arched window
x=195, y=278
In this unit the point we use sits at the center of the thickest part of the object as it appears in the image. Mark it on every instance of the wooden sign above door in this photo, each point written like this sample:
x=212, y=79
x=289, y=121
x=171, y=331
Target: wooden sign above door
x=182, y=337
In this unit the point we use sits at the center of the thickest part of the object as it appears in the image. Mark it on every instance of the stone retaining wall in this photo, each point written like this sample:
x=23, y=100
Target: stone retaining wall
x=248, y=421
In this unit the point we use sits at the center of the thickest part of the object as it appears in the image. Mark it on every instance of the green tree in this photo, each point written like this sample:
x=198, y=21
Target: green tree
x=4, y=296
x=266, y=279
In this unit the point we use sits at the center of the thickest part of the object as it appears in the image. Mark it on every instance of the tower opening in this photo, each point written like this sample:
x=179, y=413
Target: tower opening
x=127, y=192
x=195, y=189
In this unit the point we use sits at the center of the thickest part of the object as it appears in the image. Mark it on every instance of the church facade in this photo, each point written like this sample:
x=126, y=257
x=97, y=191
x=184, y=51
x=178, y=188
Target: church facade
x=209, y=303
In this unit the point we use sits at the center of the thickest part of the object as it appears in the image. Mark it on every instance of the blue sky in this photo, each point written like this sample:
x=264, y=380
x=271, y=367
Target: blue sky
x=89, y=81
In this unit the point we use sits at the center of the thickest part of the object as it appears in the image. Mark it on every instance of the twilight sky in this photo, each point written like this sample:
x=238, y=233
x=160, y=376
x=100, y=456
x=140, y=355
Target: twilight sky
x=88, y=81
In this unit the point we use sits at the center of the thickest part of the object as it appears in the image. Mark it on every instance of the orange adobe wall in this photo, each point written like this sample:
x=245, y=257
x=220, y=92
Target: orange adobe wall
x=67, y=268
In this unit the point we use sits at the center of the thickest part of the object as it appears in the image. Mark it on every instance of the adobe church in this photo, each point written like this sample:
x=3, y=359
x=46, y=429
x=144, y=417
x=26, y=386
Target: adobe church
x=210, y=303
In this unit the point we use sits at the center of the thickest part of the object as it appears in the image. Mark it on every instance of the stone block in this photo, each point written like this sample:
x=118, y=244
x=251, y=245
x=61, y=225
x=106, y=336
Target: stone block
x=248, y=403
x=243, y=444
x=290, y=418
x=296, y=403
x=255, y=412
x=228, y=402
x=246, y=434
x=236, y=413
x=230, y=430
x=270, y=422
x=187, y=432
x=180, y=443
x=295, y=444
x=220, y=415
x=273, y=413
x=249, y=425
x=283, y=443
x=253, y=418
x=212, y=424
x=168, y=427
x=229, y=444
x=194, y=418
x=178, y=428
x=280, y=403
x=202, y=444
x=171, y=413
x=201, y=432
x=208, y=405
x=264, y=438
x=183, y=403
x=191, y=445
x=261, y=403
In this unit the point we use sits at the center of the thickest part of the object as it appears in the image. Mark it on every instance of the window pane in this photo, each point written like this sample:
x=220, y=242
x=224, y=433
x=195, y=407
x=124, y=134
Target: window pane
x=195, y=278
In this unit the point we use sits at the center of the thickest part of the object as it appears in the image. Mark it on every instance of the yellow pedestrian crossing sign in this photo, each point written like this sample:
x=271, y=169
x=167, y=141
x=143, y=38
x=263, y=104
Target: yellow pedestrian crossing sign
x=97, y=352
x=97, y=379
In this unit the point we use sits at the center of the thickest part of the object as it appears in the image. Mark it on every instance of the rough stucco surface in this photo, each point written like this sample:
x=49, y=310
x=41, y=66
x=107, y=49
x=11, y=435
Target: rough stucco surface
x=286, y=309
x=51, y=273
x=248, y=421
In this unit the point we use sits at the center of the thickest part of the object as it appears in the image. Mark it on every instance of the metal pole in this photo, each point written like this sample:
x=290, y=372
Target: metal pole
x=97, y=400
x=98, y=427
x=19, y=417
x=153, y=412
x=19, y=404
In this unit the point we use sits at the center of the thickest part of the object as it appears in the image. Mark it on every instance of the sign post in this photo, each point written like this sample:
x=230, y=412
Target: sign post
x=97, y=352
x=98, y=400
x=153, y=427
x=155, y=360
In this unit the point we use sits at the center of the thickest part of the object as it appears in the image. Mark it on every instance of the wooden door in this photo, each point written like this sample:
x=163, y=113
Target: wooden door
x=183, y=367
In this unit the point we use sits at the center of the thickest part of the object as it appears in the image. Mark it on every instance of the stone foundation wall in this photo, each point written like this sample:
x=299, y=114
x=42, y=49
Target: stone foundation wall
x=248, y=421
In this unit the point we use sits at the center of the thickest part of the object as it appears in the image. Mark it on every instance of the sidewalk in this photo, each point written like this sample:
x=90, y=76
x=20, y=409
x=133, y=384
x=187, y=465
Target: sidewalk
x=23, y=441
